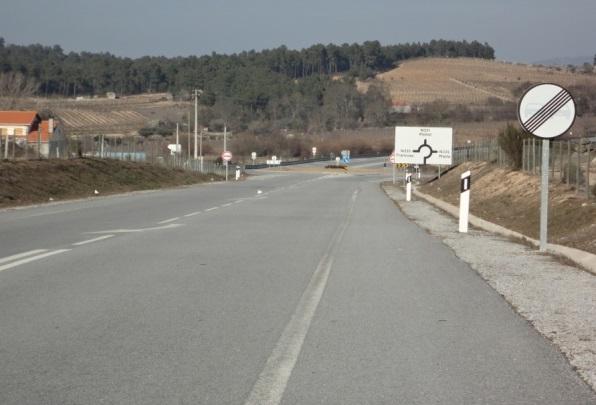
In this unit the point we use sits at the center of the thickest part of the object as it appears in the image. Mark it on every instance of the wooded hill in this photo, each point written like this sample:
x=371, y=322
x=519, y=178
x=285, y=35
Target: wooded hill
x=276, y=88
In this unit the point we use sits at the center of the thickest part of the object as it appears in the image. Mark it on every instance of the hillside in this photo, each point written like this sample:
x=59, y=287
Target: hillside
x=511, y=199
x=125, y=115
x=467, y=80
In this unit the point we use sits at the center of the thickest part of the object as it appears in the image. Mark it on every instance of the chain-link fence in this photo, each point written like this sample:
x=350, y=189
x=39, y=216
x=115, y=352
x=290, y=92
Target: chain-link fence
x=571, y=161
x=154, y=150
x=488, y=151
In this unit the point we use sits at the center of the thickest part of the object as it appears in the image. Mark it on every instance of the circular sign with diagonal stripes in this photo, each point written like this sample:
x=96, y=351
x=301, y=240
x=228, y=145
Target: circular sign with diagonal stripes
x=546, y=110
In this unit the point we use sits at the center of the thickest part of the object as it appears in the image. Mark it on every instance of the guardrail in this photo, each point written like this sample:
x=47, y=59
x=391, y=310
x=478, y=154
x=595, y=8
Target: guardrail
x=306, y=161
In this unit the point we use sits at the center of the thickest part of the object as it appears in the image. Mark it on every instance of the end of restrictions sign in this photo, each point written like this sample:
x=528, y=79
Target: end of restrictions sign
x=426, y=146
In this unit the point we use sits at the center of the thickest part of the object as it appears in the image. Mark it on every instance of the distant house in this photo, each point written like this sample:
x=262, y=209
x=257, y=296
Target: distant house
x=401, y=107
x=27, y=127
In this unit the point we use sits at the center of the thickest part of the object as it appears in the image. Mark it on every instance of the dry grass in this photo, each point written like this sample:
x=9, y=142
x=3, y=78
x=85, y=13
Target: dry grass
x=468, y=81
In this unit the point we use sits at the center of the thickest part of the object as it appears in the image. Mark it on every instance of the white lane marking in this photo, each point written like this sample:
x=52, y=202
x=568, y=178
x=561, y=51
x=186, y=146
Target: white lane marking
x=211, y=209
x=167, y=221
x=32, y=259
x=226, y=205
x=155, y=228
x=271, y=384
x=84, y=242
x=192, y=214
x=20, y=255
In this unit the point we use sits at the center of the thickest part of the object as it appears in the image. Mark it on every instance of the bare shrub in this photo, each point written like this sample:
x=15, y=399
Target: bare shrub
x=13, y=86
x=511, y=141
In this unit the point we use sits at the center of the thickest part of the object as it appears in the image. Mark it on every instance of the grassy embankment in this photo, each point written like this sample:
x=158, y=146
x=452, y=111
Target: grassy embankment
x=37, y=181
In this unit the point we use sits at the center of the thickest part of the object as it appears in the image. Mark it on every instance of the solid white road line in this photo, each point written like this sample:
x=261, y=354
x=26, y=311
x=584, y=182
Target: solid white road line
x=32, y=259
x=226, y=205
x=271, y=384
x=84, y=242
x=211, y=209
x=166, y=221
x=20, y=255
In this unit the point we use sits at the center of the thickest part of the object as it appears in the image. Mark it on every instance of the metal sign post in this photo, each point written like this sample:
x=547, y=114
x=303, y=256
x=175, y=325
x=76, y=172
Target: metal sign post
x=226, y=156
x=544, y=196
x=546, y=111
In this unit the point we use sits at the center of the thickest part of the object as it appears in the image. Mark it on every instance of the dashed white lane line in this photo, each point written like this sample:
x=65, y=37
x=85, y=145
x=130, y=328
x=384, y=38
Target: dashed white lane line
x=226, y=205
x=167, y=221
x=84, y=242
x=211, y=209
x=155, y=228
x=192, y=214
x=32, y=259
x=21, y=255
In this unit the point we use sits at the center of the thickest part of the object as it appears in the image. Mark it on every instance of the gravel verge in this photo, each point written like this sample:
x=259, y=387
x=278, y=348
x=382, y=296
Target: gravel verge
x=557, y=299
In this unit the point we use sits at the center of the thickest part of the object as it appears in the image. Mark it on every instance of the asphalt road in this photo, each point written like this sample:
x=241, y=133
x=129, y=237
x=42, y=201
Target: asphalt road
x=315, y=290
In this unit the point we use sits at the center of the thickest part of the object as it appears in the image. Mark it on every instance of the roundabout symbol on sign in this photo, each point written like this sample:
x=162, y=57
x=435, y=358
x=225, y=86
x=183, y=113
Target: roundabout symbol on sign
x=428, y=148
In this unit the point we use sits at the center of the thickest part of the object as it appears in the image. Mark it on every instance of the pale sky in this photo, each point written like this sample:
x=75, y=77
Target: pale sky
x=519, y=30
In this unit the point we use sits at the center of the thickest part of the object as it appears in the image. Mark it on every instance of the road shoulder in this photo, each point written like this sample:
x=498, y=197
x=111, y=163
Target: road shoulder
x=558, y=300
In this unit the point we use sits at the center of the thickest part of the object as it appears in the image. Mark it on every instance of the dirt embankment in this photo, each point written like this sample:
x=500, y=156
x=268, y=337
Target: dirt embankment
x=512, y=199
x=30, y=182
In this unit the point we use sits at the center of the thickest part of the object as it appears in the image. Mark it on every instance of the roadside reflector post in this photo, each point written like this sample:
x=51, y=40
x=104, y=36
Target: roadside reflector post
x=464, y=201
x=408, y=187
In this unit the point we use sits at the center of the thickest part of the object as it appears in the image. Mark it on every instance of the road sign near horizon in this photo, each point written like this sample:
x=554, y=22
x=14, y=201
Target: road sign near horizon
x=226, y=156
x=427, y=146
x=546, y=111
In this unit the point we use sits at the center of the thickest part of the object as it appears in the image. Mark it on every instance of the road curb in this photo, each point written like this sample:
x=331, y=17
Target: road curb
x=585, y=259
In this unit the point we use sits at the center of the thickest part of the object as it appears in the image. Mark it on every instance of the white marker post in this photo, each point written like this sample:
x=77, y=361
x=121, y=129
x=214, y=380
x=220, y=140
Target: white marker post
x=392, y=161
x=237, y=173
x=546, y=111
x=408, y=187
x=464, y=201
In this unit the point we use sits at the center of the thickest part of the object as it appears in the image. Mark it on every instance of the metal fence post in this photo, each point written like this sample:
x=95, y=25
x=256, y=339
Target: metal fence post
x=578, y=168
x=561, y=160
x=588, y=191
x=533, y=156
x=568, y=162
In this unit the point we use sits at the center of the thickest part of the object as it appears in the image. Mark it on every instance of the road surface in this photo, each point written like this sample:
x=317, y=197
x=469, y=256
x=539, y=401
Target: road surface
x=293, y=287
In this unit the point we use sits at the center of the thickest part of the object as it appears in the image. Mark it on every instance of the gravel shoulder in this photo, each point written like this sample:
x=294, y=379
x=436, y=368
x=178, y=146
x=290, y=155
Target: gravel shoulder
x=557, y=299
